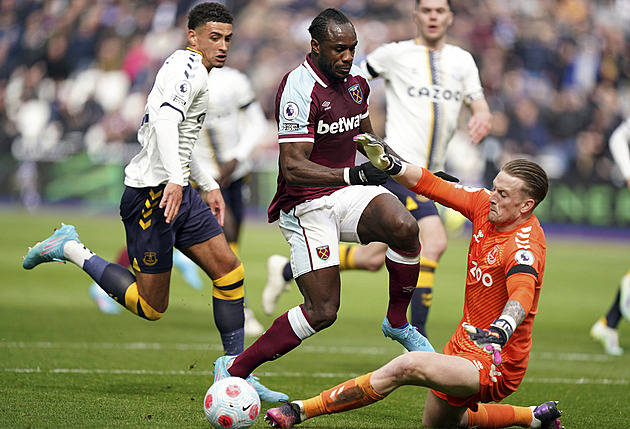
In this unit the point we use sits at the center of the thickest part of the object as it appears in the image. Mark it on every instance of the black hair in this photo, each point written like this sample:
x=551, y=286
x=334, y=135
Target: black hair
x=208, y=12
x=319, y=26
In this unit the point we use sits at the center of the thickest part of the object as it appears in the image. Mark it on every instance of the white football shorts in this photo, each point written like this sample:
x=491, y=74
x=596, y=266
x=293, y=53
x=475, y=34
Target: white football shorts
x=314, y=228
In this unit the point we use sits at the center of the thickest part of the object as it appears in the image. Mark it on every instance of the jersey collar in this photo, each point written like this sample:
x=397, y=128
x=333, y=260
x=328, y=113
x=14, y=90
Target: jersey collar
x=314, y=71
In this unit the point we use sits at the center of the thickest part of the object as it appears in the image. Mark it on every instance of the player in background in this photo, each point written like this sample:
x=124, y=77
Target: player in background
x=159, y=208
x=605, y=329
x=234, y=126
x=323, y=197
x=486, y=358
x=427, y=81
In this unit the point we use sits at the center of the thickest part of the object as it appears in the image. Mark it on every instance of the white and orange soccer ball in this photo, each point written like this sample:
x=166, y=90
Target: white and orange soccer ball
x=231, y=403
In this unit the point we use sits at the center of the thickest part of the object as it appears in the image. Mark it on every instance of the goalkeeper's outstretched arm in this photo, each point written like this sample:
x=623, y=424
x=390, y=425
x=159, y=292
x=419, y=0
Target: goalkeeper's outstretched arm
x=377, y=151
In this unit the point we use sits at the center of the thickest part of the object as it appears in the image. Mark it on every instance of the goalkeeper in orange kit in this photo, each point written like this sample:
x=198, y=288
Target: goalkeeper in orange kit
x=487, y=356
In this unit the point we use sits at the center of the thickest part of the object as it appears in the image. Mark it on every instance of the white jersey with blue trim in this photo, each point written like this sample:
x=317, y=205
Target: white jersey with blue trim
x=235, y=123
x=181, y=84
x=424, y=92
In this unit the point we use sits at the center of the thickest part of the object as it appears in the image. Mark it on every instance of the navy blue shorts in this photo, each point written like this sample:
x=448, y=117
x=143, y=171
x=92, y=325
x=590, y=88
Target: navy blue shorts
x=150, y=240
x=417, y=205
x=233, y=197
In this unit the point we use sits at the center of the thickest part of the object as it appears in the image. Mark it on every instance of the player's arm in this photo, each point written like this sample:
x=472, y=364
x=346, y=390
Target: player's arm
x=480, y=122
x=210, y=188
x=619, y=142
x=521, y=289
x=252, y=125
x=299, y=170
x=167, y=135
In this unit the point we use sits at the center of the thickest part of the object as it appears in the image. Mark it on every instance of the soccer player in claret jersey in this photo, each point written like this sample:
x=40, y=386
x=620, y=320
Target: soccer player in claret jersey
x=322, y=196
x=159, y=209
x=486, y=358
x=427, y=81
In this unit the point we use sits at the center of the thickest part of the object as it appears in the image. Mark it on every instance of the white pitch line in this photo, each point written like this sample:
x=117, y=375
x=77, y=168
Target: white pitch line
x=38, y=370
x=345, y=350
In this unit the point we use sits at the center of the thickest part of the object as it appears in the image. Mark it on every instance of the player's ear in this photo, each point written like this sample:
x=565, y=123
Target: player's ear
x=192, y=38
x=315, y=46
x=528, y=205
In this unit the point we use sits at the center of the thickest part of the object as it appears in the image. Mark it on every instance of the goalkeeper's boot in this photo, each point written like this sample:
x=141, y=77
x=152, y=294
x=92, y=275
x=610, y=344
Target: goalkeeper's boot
x=265, y=393
x=607, y=336
x=546, y=416
x=276, y=284
x=285, y=416
x=51, y=249
x=407, y=335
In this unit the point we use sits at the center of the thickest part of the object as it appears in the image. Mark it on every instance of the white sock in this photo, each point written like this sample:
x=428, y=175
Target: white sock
x=76, y=253
x=535, y=424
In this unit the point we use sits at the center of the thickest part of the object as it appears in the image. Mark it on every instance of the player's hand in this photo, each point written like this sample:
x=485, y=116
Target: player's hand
x=479, y=126
x=171, y=200
x=215, y=201
x=490, y=340
x=225, y=173
x=376, y=150
x=365, y=174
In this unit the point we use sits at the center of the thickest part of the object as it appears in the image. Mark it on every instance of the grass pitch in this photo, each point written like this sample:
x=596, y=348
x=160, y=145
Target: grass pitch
x=64, y=364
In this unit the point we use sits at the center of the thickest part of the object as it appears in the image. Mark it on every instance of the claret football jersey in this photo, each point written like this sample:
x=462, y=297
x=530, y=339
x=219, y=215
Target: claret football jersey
x=311, y=108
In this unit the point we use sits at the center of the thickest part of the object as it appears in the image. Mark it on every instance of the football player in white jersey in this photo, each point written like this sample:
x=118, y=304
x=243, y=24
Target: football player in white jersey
x=234, y=127
x=605, y=329
x=159, y=208
x=427, y=81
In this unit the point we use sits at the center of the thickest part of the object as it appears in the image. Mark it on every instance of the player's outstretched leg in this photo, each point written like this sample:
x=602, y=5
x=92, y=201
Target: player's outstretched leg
x=286, y=416
x=546, y=416
x=407, y=335
x=51, y=249
x=221, y=371
x=277, y=282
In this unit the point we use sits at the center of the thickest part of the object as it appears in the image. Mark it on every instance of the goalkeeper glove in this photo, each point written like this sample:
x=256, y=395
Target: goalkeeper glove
x=364, y=174
x=445, y=176
x=493, y=339
x=376, y=151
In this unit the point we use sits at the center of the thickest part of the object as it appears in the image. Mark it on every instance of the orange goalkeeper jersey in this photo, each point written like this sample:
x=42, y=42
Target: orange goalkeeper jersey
x=493, y=257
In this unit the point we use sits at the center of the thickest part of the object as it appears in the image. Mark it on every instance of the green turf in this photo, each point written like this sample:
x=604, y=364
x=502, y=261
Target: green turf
x=65, y=365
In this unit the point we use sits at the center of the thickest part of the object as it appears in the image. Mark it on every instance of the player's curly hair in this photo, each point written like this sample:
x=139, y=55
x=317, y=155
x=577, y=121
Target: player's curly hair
x=319, y=26
x=536, y=182
x=208, y=12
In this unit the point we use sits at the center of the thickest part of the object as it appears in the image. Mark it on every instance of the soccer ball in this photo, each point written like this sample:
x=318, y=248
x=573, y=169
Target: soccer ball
x=231, y=403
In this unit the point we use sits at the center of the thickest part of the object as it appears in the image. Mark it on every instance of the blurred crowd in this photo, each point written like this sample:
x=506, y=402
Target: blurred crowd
x=74, y=74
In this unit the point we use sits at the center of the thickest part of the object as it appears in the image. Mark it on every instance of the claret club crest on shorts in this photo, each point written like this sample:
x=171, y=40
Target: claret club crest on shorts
x=323, y=252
